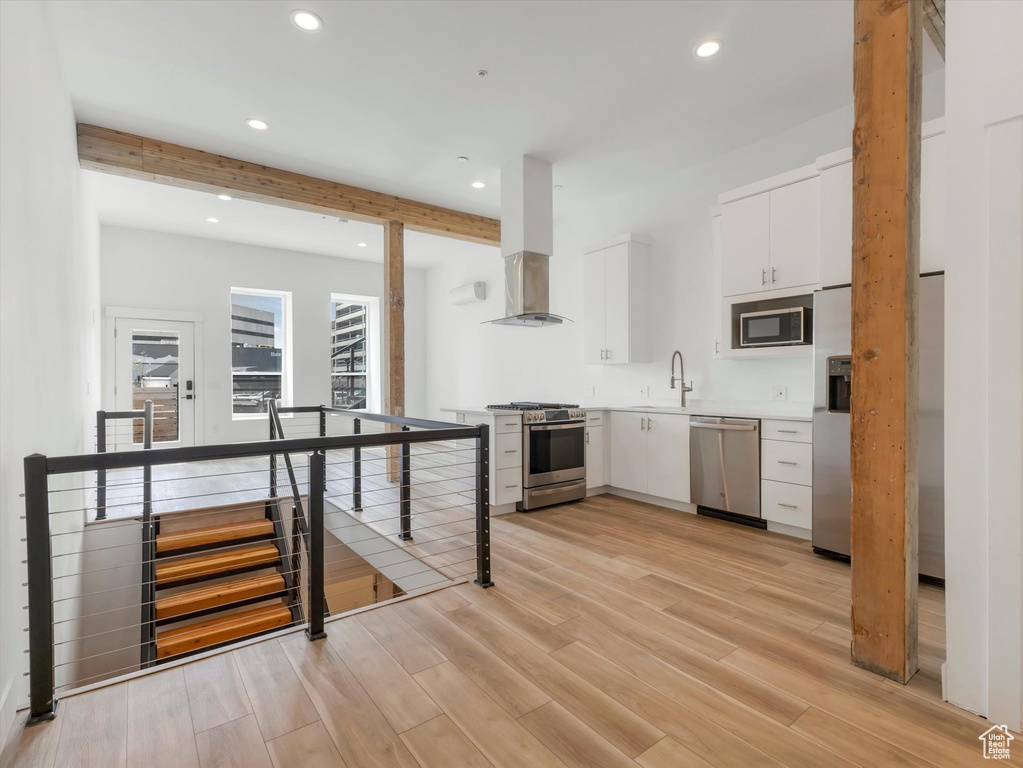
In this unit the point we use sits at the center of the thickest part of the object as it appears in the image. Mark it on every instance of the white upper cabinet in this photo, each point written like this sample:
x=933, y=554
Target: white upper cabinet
x=794, y=235
x=745, y=245
x=769, y=240
x=614, y=310
x=836, y=201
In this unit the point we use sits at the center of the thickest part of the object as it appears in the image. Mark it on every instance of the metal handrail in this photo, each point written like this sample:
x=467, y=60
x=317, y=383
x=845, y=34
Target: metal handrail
x=39, y=468
x=146, y=414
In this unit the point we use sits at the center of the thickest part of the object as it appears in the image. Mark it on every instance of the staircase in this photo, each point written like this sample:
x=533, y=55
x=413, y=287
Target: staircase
x=219, y=574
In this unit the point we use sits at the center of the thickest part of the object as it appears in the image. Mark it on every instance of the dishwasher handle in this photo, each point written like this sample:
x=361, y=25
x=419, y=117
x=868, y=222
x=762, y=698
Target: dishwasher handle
x=732, y=427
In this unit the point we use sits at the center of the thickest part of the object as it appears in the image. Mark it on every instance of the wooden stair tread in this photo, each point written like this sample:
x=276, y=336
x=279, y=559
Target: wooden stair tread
x=214, y=534
x=202, y=598
x=217, y=562
x=212, y=632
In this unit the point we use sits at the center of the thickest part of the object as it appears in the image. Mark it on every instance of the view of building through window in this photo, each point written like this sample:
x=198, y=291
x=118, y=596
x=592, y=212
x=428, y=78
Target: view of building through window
x=349, y=372
x=257, y=350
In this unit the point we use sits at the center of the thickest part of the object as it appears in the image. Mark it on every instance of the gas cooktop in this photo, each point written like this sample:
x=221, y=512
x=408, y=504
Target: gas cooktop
x=547, y=412
x=529, y=406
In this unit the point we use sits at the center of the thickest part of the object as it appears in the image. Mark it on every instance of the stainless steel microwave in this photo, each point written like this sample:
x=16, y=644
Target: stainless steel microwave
x=773, y=327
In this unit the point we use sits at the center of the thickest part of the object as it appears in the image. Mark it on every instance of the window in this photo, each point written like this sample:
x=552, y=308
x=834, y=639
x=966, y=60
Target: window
x=352, y=352
x=258, y=353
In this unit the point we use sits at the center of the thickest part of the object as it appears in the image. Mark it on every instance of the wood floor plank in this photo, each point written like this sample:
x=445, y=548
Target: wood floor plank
x=94, y=733
x=862, y=748
x=34, y=746
x=695, y=732
x=396, y=694
x=216, y=693
x=159, y=722
x=502, y=683
x=409, y=648
x=438, y=743
x=623, y=728
x=361, y=733
x=578, y=745
x=445, y=600
x=501, y=738
x=279, y=701
x=531, y=626
x=668, y=753
x=237, y=744
x=308, y=746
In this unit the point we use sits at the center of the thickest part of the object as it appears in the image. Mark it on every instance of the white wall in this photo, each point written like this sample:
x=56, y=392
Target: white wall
x=49, y=300
x=471, y=364
x=984, y=359
x=159, y=271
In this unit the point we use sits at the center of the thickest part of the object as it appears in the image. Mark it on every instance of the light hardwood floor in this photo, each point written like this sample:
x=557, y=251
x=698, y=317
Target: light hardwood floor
x=618, y=634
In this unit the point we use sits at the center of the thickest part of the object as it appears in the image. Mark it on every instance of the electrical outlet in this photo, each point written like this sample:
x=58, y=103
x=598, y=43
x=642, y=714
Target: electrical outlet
x=779, y=393
x=644, y=391
x=591, y=391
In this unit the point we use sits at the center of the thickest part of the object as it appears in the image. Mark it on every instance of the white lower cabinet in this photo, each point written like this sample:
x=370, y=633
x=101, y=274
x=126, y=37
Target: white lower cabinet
x=786, y=462
x=786, y=503
x=595, y=457
x=650, y=454
x=506, y=486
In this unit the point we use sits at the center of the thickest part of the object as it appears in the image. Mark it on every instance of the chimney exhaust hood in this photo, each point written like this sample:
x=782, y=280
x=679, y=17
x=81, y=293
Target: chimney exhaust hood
x=527, y=240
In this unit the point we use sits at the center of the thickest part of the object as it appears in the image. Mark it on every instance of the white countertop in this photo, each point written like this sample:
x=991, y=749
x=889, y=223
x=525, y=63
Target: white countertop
x=741, y=409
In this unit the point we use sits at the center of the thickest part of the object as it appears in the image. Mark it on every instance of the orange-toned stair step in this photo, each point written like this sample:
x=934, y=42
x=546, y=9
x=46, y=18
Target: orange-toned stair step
x=204, y=634
x=214, y=534
x=219, y=594
x=218, y=562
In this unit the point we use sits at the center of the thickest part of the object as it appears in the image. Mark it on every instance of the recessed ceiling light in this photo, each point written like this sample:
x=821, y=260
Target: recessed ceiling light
x=307, y=21
x=223, y=197
x=558, y=187
x=482, y=73
x=461, y=159
x=361, y=245
x=256, y=124
x=708, y=48
x=212, y=220
x=478, y=185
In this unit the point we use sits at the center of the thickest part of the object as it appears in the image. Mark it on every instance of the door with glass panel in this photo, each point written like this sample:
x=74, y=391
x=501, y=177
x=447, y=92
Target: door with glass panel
x=154, y=360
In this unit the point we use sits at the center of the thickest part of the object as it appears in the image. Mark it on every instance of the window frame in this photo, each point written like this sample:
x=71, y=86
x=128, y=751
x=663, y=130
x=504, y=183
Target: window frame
x=287, y=368
x=373, y=363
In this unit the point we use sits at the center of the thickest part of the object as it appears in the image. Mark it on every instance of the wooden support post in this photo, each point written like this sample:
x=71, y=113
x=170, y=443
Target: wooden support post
x=887, y=67
x=394, y=332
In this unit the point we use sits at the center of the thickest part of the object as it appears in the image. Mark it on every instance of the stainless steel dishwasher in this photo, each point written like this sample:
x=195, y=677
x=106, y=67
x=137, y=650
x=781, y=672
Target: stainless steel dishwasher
x=725, y=468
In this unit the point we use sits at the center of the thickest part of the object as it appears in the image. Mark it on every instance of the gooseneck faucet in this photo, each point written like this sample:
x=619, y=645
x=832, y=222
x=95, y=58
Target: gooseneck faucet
x=681, y=376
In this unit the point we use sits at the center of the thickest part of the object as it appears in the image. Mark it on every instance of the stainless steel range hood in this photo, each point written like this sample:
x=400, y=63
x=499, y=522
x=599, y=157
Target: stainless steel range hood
x=527, y=239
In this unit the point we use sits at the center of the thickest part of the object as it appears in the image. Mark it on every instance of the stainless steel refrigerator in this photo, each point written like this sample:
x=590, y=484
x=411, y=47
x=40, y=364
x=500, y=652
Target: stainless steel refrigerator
x=832, y=371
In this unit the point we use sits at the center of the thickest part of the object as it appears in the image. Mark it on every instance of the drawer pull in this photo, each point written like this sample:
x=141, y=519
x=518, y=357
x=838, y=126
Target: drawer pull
x=594, y=418
x=511, y=423
x=790, y=463
x=788, y=431
x=512, y=486
x=513, y=450
x=787, y=506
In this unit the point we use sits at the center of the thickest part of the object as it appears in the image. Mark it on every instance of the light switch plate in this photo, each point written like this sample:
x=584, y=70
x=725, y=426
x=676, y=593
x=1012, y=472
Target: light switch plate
x=779, y=392
x=591, y=391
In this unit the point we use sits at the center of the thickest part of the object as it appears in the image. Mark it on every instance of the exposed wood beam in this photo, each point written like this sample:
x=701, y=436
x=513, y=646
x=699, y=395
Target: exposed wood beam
x=394, y=330
x=124, y=154
x=887, y=67
x=934, y=23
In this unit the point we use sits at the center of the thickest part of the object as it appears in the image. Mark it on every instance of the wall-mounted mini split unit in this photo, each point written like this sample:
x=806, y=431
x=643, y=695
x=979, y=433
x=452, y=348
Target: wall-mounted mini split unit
x=467, y=294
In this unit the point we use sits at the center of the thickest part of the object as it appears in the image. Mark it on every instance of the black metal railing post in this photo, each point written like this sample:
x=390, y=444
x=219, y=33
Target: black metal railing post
x=43, y=704
x=483, y=577
x=406, y=490
x=356, y=469
x=323, y=421
x=101, y=474
x=317, y=476
x=148, y=639
x=273, y=456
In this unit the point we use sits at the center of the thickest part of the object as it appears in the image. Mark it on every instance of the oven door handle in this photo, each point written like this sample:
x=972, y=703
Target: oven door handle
x=551, y=427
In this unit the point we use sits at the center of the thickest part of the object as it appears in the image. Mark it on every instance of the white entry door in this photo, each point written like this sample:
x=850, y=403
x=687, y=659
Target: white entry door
x=154, y=360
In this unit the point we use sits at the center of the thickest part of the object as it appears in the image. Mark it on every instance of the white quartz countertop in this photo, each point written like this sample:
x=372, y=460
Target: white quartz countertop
x=742, y=409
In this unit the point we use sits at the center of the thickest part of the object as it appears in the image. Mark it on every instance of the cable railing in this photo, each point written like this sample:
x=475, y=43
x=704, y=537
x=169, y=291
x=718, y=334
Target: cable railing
x=102, y=417
x=336, y=511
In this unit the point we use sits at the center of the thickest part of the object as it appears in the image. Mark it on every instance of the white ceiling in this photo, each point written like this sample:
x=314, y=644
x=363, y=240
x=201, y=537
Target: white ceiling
x=386, y=95
x=144, y=205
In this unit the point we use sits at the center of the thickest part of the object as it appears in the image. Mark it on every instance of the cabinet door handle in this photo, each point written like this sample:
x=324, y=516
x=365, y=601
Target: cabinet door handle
x=763, y=277
x=587, y=438
x=608, y=354
x=717, y=347
x=773, y=270
x=601, y=354
x=649, y=424
x=787, y=506
x=790, y=463
x=642, y=423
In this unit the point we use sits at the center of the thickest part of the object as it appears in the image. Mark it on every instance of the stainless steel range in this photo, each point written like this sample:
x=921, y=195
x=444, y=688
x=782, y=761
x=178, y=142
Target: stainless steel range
x=553, y=452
